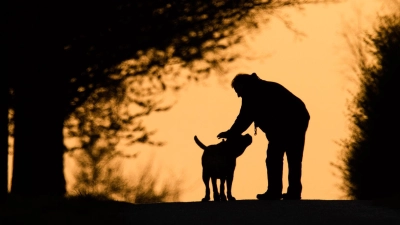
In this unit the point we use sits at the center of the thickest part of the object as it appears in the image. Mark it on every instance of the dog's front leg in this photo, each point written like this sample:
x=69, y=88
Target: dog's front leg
x=229, y=181
x=215, y=189
x=222, y=195
x=206, y=180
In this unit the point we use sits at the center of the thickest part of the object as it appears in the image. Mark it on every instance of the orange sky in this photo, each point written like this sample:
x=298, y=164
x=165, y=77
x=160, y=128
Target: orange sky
x=314, y=69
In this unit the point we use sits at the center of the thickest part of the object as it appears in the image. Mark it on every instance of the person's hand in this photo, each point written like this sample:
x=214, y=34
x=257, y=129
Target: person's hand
x=223, y=134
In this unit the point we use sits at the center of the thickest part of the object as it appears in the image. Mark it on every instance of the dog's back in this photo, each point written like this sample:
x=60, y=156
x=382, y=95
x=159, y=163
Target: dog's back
x=215, y=161
x=220, y=159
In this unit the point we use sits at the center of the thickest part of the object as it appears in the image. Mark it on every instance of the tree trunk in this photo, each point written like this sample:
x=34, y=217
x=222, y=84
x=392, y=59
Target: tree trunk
x=38, y=140
x=39, y=120
x=38, y=101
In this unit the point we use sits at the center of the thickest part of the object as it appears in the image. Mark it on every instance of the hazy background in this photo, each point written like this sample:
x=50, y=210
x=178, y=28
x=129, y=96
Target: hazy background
x=318, y=74
x=314, y=67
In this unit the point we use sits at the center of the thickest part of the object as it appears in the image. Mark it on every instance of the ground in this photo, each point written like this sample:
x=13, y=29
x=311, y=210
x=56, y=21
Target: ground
x=92, y=211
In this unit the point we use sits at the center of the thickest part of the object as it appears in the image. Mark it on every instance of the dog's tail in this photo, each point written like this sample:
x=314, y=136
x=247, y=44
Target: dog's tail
x=198, y=142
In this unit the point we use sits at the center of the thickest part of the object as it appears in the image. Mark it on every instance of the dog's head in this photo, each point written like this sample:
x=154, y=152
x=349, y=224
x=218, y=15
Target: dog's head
x=237, y=144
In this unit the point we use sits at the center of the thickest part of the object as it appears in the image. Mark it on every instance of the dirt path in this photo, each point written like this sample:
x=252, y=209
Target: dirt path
x=263, y=212
x=326, y=212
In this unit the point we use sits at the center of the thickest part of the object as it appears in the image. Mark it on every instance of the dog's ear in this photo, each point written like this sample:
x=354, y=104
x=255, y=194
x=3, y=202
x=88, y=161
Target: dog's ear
x=254, y=76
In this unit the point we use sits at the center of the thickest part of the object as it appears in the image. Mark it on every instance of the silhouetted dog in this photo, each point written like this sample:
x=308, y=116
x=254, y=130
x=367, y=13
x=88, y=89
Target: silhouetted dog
x=219, y=162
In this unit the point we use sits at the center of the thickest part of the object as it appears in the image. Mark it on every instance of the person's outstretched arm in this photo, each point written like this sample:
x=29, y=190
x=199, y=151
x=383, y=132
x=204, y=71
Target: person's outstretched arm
x=243, y=120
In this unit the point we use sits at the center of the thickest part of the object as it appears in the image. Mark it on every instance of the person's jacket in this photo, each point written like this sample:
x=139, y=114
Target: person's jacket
x=273, y=108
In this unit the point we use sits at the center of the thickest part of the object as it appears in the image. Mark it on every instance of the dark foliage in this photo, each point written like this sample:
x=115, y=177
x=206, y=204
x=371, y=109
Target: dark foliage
x=371, y=156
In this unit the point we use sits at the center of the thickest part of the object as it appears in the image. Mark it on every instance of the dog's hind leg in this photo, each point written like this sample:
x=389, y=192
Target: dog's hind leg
x=215, y=189
x=229, y=181
x=222, y=195
x=206, y=180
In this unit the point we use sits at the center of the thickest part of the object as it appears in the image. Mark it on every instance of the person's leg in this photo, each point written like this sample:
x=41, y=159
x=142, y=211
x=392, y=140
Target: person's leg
x=294, y=154
x=274, y=163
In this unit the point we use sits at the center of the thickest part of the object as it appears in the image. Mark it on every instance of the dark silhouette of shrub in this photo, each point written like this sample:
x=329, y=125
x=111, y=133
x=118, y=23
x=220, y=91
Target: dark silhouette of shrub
x=371, y=155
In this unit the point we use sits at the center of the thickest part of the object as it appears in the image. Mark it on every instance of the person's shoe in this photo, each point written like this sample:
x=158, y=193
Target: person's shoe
x=286, y=196
x=269, y=196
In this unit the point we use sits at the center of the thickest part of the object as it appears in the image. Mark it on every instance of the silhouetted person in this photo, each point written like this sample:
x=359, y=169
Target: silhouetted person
x=284, y=119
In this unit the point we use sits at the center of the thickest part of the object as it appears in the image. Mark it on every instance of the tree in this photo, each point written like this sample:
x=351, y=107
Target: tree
x=61, y=53
x=102, y=177
x=98, y=125
x=371, y=154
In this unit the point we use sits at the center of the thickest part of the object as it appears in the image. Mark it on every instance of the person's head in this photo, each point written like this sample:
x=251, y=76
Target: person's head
x=243, y=83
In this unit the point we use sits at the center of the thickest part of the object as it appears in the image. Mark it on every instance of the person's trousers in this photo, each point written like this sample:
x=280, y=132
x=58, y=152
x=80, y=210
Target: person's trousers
x=291, y=143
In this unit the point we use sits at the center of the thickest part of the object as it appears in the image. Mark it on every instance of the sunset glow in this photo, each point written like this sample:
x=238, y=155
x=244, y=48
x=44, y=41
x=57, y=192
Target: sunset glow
x=314, y=67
